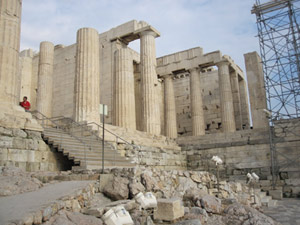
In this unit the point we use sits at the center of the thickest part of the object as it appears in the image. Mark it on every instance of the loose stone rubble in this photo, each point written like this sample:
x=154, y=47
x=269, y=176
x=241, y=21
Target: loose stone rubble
x=194, y=190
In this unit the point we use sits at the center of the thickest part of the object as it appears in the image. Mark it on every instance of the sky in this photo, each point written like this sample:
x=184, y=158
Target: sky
x=225, y=25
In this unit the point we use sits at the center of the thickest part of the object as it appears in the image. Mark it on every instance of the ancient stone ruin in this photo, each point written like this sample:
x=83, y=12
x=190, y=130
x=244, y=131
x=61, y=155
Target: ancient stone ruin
x=172, y=113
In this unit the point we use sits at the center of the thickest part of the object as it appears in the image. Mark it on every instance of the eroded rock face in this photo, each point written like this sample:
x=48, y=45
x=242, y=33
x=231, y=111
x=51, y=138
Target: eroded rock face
x=73, y=218
x=238, y=214
x=211, y=204
x=117, y=189
x=15, y=181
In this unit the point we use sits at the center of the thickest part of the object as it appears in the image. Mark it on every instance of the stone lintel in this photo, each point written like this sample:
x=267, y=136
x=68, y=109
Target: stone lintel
x=129, y=37
x=202, y=61
x=147, y=29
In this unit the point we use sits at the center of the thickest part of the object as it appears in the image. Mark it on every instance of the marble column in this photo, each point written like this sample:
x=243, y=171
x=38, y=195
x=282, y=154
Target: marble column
x=245, y=105
x=26, y=57
x=87, y=81
x=151, y=112
x=198, y=123
x=257, y=91
x=170, y=108
x=45, y=79
x=124, y=98
x=226, y=101
x=10, y=23
x=234, y=80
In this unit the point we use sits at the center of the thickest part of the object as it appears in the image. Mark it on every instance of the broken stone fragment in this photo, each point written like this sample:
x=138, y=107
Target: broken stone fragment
x=117, y=189
x=211, y=204
x=168, y=210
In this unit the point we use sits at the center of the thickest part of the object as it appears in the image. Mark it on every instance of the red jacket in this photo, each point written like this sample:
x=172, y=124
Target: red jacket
x=25, y=105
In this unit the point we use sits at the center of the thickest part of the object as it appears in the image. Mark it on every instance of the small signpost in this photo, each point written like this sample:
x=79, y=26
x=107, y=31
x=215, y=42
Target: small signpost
x=103, y=111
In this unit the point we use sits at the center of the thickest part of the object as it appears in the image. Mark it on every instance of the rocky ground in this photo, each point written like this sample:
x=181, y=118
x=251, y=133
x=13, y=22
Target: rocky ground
x=196, y=190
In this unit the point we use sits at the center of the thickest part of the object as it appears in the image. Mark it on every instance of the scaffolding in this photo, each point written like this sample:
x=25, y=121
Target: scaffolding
x=279, y=40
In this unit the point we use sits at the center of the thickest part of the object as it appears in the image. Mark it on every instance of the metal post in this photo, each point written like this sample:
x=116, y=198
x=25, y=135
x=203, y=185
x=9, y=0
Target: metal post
x=218, y=180
x=103, y=116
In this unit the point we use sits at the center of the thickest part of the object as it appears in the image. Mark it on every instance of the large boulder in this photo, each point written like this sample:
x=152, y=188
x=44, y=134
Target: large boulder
x=238, y=214
x=117, y=188
x=211, y=204
x=192, y=196
x=148, y=181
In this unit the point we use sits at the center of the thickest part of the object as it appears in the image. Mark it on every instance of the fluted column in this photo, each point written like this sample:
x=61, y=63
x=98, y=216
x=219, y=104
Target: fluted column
x=151, y=112
x=10, y=21
x=87, y=89
x=124, y=98
x=45, y=79
x=170, y=108
x=25, y=65
x=198, y=124
x=234, y=80
x=227, y=110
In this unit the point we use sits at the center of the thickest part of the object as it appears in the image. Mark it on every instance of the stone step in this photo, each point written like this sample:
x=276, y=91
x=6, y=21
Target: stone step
x=265, y=200
x=76, y=150
x=96, y=157
x=69, y=138
x=272, y=203
x=68, y=144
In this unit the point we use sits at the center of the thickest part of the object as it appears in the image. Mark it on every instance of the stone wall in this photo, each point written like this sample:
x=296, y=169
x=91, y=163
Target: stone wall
x=26, y=149
x=249, y=151
x=151, y=150
x=211, y=102
x=242, y=152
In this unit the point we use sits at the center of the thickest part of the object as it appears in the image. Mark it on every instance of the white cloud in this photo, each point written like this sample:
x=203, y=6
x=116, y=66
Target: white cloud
x=225, y=25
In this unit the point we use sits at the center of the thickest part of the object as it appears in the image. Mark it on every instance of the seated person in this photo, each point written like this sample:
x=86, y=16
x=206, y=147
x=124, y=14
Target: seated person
x=25, y=104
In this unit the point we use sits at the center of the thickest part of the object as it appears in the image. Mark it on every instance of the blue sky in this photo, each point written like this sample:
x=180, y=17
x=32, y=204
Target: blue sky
x=225, y=25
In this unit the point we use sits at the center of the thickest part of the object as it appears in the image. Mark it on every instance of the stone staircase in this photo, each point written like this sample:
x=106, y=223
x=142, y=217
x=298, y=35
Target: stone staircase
x=264, y=198
x=84, y=149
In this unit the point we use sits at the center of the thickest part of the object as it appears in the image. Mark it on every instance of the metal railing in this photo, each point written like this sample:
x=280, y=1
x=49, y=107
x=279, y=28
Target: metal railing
x=46, y=122
x=117, y=137
x=71, y=127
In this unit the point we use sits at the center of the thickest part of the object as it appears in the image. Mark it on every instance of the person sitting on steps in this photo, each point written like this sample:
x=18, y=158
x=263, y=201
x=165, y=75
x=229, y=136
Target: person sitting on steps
x=25, y=104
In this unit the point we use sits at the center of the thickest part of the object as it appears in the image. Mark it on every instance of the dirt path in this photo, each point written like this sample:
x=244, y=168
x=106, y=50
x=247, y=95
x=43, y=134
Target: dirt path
x=16, y=206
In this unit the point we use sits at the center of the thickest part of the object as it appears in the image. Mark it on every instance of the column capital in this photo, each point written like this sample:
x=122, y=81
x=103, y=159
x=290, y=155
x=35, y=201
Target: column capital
x=166, y=76
x=148, y=30
x=223, y=63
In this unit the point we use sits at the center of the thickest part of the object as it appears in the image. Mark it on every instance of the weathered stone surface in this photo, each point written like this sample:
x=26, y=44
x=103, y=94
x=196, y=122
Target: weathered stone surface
x=241, y=214
x=148, y=181
x=15, y=181
x=168, y=209
x=117, y=189
x=211, y=204
x=276, y=194
x=189, y=222
x=73, y=218
x=193, y=195
x=135, y=188
x=198, y=210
